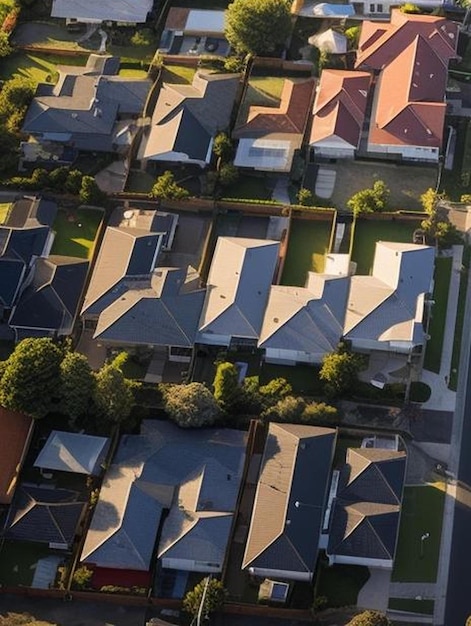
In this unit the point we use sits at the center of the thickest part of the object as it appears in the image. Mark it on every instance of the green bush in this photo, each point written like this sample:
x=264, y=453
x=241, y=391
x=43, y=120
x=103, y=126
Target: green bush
x=143, y=37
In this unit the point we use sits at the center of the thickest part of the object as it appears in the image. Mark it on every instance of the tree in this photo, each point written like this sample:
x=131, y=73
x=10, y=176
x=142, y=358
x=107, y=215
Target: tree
x=228, y=174
x=58, y=177
x=89, y=192
x=277, y=388
x=77, y=385
x=226, y=384
x=29, y=382
x=353, y=35
x=319, y=412
x=166, y=188
x=258, y=27
x=213, y=593
x=113, y=393
x=305, y=197
x=73, y=182
x=339, y=372
x=371, y=200
x=370, y=618
x=82, y=577
x=430, y=199
x=191, y=406
x=223, y=147
x=288, y=409
x=408, y=7
x=5, y=48
x=21, y=619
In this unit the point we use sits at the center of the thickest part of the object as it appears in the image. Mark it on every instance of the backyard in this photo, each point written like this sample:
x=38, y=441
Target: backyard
x=76, y=232
x=340, y=584
x=420, y=531
x=302, y=378
x=406, y=183
x=307, y=246
x=261, y=91
x=39, y=68
x=367, y=232
x=436, y=328
x=18, y=562
x=249, y=187
x=178, y=74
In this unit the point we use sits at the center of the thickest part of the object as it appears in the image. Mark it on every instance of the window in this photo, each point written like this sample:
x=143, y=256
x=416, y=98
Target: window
x=372, y=8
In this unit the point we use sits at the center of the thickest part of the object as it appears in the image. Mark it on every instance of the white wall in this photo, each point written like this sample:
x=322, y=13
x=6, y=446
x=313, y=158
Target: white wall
x=189, y=565
x=211, y=339
x=333, y=147
x=281, y=574
x=410, y=153
x=291, y=357
x=355, y=560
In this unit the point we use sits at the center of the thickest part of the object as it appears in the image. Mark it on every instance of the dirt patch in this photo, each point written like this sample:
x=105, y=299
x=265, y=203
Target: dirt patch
x=406, y=182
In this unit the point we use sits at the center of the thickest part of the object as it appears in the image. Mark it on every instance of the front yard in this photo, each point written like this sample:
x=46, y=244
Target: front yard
x=307, y=246
x=436, y=329
x=418, y=547
x=76, y=232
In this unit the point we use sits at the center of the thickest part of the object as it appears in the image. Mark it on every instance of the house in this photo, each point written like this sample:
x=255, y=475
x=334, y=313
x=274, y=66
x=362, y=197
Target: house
x=270, y=135
x=15, y=434
x=339, y=113
x=384, y=7
x=132, y=302
x=73, y=452
x=410, y=55
x=288, y=511
x=90, y=108
x=365, y=515
x=186, y=119
x=45, y=515
x=238, y=287
x=386, y=311
x=25, y=235
x=48, y=302
x=194, y=32
x=170, y=488
x=303, y=324
x=89, y=11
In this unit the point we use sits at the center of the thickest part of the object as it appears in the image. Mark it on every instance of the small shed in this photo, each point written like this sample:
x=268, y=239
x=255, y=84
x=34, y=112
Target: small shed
x=73, y=452
x=329, y=41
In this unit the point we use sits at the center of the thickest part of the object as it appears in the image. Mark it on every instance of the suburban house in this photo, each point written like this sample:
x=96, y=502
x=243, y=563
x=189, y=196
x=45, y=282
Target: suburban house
x=45, y=515
x=132, y=302
x=270, y=135
x=365, y=513
x=194, y=32
x=409, y=56
x=90, y=109
x=25, y=235
x=15, y=435
x=73, y=452
x=126, y=12
x=48, y=303
x=288, y=511
x=303, y=324
x=339, y=113
x=169, y=488
x=242, y=271
x=186, y=119
x=357, y=8
x=384, y=7
x=386, y=311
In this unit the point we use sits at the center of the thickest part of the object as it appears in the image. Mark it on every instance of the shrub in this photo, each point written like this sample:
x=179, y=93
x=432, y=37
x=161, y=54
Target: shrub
x=82, y=577
x=142, y=37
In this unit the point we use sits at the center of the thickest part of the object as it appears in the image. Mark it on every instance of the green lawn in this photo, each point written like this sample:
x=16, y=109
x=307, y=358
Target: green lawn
x=178, y=74
x=436, y=329
x=425, y=607
x=455, y=357
x=248, y=187
x=4, y=211
x=131, y=54
x=18, y=561
x=340, y=584
x=307, y=246
x=139, y=181
x=422, y=512
x=261, y=91
x=302, y=378
x=368, y=232
x=39, y=68
x=76, y=232
x=133, y=73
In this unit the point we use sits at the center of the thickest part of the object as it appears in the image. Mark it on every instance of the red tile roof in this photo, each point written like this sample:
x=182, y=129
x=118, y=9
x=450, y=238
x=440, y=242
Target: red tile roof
x=339, y=107
x=289, y=118
x=409, y=105
x=381, y=42
x=14, y=434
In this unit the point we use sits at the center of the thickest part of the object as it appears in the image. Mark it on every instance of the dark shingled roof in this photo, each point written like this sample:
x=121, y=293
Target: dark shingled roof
x=366, y=511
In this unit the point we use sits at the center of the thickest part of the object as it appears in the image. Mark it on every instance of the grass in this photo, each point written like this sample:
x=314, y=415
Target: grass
x=132, y=73
x=261, y=91
x=4, y=211
x=436, y=328
x=452, y=181
x=455, y=357
x=422, y=512
x=248, y=187
x=368, y=232
x=308, y=243
x=410, y=605
x=76, y=232
x=139, y=181
x=302, y=378
x=340, y=584
x=178, y=74
x=18, y=562
x=36, y=67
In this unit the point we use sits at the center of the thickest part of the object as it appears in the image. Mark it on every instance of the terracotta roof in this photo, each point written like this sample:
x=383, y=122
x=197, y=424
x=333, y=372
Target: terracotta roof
x=413, y=112
x=339, y=107
x=290, y=117
x=380, y=43
x=14, y=430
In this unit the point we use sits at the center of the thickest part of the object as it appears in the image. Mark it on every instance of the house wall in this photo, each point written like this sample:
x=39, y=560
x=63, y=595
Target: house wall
x=408, y=153
x=291, y=357
x=333, y=147
x=370, y=345
x=281, y=574
x=189, y=565
x=355, y=560
x=175, y=157
x=380, y=7
x=211, y=339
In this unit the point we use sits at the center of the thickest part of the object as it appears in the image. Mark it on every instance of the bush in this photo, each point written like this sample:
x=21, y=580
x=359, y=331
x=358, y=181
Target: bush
x=142, y=37
x=82, y=577
x=135, y=591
